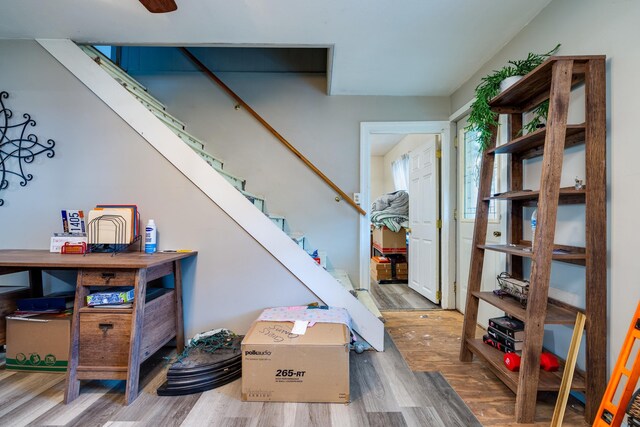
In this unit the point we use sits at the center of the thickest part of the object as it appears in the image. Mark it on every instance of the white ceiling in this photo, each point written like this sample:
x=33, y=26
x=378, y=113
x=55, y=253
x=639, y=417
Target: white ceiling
x=382, y=143
x=380, y=47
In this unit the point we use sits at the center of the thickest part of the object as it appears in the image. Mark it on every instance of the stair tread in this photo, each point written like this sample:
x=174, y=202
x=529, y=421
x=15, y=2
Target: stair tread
x=246, y=193
x=176, y=125
x=130, y=83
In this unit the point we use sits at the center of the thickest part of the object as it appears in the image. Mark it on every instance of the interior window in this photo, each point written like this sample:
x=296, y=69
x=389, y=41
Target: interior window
x=472, y=161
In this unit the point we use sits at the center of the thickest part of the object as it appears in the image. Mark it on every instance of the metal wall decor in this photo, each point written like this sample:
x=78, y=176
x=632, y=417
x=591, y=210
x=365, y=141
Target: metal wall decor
x=18, y=147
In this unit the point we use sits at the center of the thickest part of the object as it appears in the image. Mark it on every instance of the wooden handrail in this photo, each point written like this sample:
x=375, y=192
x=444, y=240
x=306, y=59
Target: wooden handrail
x=264, y=123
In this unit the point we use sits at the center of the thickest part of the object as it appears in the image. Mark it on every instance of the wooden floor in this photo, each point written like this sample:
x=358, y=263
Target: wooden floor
x=384, y=392
x=441, y=391
x=398, y=296
x=430, y=341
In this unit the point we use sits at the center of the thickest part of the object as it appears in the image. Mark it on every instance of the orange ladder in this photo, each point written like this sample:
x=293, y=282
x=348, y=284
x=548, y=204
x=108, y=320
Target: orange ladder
x=610, y=414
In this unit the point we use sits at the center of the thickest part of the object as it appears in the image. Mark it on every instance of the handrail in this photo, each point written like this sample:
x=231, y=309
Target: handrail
x=286, y=143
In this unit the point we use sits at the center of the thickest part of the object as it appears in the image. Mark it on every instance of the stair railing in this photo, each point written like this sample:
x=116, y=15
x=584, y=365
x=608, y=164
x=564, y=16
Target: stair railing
x=298, y=154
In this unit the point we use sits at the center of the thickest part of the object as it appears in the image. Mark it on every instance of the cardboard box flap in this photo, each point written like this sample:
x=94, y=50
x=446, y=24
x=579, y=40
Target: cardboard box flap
x=279, y=333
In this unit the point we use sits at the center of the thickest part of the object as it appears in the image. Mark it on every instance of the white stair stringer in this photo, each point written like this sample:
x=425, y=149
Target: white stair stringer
x=214, y=186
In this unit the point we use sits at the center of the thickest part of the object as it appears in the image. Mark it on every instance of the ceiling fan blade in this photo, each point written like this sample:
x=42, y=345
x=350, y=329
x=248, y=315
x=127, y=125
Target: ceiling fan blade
x=159, y=6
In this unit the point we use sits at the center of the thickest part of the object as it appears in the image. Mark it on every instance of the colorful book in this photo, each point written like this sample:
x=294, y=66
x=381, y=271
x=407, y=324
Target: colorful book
x=504, y=340
x=116, y=296
x=487, y=340
x=509, y=326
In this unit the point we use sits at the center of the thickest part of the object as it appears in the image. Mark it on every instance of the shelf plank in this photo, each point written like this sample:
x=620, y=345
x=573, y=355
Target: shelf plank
x=574, y=254
x=568, y=195
x=533, y=88
x=106, y=310
x=549, y=381
x=532, y=144
x=555, y=315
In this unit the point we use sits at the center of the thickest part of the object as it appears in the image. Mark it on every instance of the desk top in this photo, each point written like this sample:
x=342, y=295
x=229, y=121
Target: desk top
x=44, y=259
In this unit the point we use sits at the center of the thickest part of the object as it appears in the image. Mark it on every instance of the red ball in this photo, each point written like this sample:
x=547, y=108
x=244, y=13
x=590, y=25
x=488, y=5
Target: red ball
x=549, y=362
x=512, y=361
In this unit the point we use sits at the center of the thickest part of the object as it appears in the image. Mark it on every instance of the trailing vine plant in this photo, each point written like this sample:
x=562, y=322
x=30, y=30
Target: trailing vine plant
x=481, y=118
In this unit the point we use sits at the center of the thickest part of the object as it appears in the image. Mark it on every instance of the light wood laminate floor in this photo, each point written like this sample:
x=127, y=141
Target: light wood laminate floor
x=384, y=392
x=399, y=296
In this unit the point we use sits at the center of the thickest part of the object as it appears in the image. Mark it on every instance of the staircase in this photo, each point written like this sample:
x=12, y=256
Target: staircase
x=141, y=94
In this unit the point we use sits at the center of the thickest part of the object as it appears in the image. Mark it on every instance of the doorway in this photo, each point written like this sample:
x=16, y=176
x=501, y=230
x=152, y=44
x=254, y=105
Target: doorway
x=440, y=251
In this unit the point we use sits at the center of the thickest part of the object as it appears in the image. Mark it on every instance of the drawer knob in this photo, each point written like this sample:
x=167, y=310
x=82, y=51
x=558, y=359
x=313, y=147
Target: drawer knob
x=108, y=276
x=105, y=327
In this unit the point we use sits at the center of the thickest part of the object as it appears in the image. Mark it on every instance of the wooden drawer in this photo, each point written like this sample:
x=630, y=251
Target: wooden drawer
x=105, y=333
x=104, y=338
x=107, y=277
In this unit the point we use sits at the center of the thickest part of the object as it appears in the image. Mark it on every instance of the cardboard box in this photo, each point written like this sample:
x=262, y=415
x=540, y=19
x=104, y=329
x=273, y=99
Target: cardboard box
x=402, y=267
x=280, y=366
x=386, y=241
x=380, y=275
x=38, y=343
x=379, y=266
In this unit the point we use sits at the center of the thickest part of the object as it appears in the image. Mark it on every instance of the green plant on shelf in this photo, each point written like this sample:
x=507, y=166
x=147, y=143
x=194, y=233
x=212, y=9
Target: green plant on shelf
x=482, y=119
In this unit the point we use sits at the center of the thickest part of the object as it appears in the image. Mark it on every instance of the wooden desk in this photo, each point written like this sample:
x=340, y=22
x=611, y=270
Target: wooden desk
x=8, y=297
x=124, y=339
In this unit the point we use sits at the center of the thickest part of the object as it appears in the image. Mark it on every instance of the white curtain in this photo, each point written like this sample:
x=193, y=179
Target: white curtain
x=400, y=171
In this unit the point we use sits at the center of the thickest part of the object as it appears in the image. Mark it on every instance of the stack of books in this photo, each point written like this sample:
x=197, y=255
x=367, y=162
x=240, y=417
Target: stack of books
x=506, y=334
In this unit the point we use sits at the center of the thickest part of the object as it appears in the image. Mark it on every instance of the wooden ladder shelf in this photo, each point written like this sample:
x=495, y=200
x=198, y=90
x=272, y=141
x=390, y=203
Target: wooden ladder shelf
x=553, y=80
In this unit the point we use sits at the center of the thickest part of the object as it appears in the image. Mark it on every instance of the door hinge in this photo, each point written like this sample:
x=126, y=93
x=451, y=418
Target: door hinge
x=438, y=295
x=439, y=223
x=438, y=154
x=455, y=287
x=455, y=214
x=455, y=142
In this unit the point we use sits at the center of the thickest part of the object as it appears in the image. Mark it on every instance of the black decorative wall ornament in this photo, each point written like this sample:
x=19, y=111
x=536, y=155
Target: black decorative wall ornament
x=18, y=147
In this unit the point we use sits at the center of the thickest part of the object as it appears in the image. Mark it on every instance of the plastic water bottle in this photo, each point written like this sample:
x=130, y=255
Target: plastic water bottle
x=150, y=237
x=534, y=224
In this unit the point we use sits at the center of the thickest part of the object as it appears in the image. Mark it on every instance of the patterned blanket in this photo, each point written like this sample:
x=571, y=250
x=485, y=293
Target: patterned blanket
x=391, y=210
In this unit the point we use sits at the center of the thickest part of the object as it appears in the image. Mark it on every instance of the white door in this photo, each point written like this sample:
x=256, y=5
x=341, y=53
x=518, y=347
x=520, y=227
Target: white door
x=424, y=243
x=494, y=262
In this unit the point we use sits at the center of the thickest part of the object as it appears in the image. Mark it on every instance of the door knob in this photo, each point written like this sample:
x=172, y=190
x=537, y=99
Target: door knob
x=408, y=230
x=497, y=234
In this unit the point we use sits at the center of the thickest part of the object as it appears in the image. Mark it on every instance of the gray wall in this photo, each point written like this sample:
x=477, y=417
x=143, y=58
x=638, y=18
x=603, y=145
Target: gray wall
x=610, y=28
x=100, y=159
x=326, y=129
